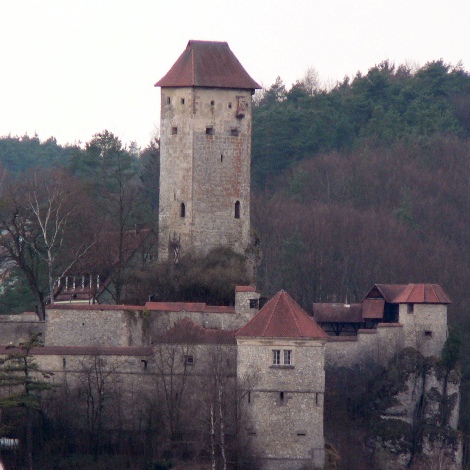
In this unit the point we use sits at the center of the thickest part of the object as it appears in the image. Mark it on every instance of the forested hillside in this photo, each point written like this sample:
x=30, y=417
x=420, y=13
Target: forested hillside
x=367, y=182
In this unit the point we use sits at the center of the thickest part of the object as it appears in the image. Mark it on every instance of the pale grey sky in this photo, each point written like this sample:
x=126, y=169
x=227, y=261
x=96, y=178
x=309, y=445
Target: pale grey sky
x=72, y=68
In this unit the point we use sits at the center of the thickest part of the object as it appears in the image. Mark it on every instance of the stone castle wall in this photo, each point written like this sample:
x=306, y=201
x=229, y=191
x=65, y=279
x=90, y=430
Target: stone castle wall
x=374, y=346
x=205, y=165
x=19, y=328
x=283, y=437
x=94, y=326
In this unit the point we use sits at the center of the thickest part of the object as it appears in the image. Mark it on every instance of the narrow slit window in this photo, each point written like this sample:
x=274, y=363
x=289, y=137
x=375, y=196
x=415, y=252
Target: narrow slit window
x=221, y=157
x=281, y=397
x=210, y=131
x=64, y=363
x=182, y=210
x=237, y=210
x=168, y=100
x=174, y=130
x=144, y=363
x=230, y=106
x=182, y=100
x=249, y=397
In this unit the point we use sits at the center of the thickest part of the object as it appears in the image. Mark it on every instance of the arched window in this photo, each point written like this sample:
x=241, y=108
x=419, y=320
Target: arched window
x=237, y=210
x=183, y=210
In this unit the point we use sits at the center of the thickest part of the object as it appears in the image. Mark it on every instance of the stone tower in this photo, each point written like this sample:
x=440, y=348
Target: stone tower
x=280, y=367
x=205, y=151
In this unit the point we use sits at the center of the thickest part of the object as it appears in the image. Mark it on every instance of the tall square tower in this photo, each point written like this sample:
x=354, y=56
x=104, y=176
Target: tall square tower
x=205, y=152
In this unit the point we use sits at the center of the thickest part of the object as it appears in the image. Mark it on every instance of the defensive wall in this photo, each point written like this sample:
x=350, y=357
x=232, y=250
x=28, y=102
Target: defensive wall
x=126, y=326
x=19, y=328
x=370, y=346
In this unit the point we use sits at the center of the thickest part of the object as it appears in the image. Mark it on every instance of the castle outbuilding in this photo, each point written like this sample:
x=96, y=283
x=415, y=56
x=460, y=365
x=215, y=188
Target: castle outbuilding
x=205, y=152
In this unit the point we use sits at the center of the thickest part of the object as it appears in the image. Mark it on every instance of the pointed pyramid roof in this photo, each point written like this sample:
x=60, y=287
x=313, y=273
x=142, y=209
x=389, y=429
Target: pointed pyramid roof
x=282, y=317
x=208, y=64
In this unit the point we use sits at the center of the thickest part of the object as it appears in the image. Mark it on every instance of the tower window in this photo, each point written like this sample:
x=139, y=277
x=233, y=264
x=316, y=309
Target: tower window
x=234, y=132
x=174, y=130
x=254, y=303
x=182, y=100
x=168, y=100
x=210, y=131
x=237, y=210
x=212, y=103
x=283, y=358
x=182, y=210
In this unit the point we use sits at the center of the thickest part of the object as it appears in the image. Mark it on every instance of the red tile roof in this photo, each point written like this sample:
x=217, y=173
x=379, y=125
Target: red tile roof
x=282, y=317
x=187, y=332
x=188, y=307
x=245, y=289
x=337, y=313
x=208, y=64
x=98, y=307
x=410, y=293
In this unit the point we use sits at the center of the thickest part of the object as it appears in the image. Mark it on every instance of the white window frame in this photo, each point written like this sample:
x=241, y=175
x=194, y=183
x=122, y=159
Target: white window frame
x=282, y=357
x=276, y=357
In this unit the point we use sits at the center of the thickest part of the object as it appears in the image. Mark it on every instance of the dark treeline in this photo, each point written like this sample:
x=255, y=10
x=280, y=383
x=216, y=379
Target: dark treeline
x=367, y=182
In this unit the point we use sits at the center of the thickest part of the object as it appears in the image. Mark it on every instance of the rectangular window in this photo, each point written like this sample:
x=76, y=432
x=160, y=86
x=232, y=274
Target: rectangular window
x=189, y=360
x=174, y=130
x=182, y=100
x=282, y=357
x=254, y=303
x=410, y=308
x=428, y=334
x=287, y=357
x=276, y=357
x=210, y=131
x=234, y=132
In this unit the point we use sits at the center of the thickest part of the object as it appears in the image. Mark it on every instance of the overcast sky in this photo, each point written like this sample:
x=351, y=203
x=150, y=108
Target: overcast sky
x=72, y=68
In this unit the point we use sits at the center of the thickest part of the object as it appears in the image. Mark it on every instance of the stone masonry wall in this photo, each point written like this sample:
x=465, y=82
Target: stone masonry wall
x=370, y=346
x=205, y=164
x=283, y=437
x=130, y=327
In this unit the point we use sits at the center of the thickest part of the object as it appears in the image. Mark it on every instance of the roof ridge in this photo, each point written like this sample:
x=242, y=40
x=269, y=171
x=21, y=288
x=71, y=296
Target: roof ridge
x=294, y=317
x=271, y=316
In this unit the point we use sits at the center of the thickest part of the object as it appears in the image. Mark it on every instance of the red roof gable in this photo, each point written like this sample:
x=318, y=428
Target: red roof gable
x=410, y=293
x=208, y=64
x=282, y=317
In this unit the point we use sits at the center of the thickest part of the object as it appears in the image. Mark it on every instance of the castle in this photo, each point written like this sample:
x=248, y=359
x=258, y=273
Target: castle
x=274, y=357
